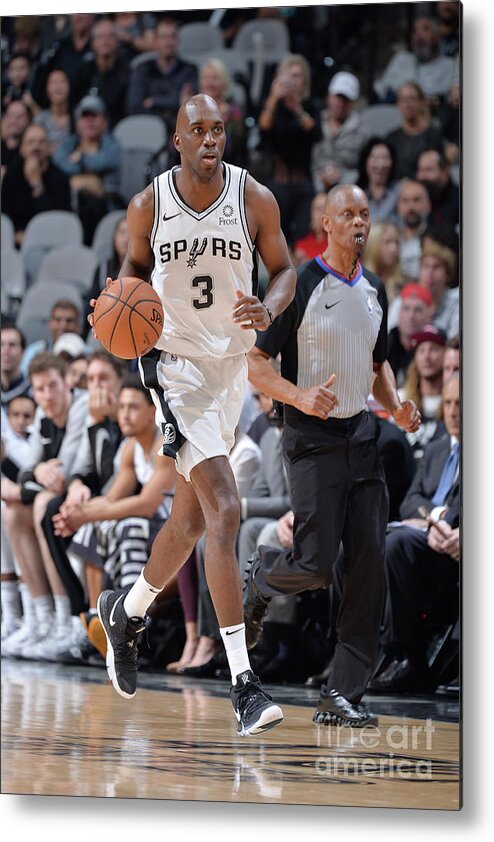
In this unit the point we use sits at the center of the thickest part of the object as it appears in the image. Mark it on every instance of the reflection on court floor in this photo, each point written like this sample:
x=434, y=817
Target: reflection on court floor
x=66, y=732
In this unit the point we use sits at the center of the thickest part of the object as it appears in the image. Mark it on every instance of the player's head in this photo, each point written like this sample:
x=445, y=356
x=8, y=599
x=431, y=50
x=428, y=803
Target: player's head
x=47, y=376
x=65, y=317
x=451, y=361
x=200, y=136
x=136, y=410
x=347, y=218
x=20, y=413
x=13, y=344
x=105, y=372
x=451, y=404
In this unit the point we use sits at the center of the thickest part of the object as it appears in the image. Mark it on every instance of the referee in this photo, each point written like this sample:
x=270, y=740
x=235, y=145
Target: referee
x=332, y=340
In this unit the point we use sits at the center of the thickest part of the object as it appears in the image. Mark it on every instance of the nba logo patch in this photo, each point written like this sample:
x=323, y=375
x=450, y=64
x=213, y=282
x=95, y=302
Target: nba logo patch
x=370, y=305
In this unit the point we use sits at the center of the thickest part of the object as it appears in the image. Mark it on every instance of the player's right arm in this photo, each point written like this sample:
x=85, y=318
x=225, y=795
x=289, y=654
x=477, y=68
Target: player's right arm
x=138, y=262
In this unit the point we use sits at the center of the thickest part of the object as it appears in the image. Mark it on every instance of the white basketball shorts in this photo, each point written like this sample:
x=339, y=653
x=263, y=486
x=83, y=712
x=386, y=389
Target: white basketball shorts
x=198, y=404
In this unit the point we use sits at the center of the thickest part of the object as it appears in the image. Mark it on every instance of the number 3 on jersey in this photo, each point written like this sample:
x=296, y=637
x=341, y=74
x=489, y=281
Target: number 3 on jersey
x=205, y=285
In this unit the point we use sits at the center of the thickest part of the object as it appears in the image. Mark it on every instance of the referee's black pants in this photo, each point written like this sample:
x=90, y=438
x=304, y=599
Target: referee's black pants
x=339, y=495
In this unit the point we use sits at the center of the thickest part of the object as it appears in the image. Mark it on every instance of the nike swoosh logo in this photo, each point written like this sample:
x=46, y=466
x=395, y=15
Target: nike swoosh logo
x=166, y=218
x=112, y=612
x=234, y=631
x=328, y=306
x=44, y=440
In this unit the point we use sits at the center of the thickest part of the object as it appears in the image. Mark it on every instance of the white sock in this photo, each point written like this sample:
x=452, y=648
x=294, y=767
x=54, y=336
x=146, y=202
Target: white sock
x=140, y=597
x=236, y=649
x=28, y=609
x=11, y=603
x=43, y=607
x=63, y=610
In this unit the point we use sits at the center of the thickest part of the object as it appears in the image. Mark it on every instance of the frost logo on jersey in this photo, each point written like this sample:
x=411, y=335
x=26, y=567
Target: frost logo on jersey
x=195, y=252
x=228, y=214
x=169, y=434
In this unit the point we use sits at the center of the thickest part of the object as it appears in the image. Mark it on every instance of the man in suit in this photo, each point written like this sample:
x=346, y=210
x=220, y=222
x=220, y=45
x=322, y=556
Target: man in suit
x=422, y=554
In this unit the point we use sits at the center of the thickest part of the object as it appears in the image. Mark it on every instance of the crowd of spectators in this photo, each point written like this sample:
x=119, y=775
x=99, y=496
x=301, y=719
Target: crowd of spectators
x=82, y=488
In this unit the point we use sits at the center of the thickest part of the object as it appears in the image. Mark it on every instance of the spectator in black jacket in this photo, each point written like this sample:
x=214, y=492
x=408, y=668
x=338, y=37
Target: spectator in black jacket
x=160, y=85
x=433, y=170
x=422, y=554
x=15, y=120
x=15, y=84
x=67, y=53
x=105, y=71
x=33, y=183
x=290, y=127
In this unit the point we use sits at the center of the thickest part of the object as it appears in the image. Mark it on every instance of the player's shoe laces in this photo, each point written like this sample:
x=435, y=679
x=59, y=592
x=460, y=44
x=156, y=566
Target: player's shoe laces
x=255, y=604
x=122, y=635
x=253, y=707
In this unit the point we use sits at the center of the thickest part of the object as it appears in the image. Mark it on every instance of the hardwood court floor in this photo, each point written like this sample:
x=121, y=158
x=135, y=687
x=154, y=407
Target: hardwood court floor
x=66, y=732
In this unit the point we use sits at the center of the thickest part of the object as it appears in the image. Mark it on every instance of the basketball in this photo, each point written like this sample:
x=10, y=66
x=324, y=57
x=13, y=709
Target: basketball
x=128, y=318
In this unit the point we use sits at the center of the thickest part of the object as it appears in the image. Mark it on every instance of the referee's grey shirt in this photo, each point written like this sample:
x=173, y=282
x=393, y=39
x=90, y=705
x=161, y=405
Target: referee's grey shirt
x=332, y=325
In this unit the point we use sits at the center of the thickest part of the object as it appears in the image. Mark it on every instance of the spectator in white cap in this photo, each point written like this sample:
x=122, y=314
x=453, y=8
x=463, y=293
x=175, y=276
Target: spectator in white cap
x=72, y=348
x=335, y=158
x=69, y=346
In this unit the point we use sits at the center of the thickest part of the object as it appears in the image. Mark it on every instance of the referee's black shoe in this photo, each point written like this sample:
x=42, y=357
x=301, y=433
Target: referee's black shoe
x=255, y=604
x=334, y=709
x=254, y=708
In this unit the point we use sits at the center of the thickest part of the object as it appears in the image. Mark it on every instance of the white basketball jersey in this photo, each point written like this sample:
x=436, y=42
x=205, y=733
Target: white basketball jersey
x=201, y=258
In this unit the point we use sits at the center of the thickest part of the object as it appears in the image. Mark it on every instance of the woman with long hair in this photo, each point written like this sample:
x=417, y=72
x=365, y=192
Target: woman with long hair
x=57, y=118
x=290, y=126
x=423, y=385
x=382, y=256
x=377, y=179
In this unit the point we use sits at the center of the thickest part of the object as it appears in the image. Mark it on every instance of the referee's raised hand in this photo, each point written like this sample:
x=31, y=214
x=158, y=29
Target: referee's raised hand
x=318, y=400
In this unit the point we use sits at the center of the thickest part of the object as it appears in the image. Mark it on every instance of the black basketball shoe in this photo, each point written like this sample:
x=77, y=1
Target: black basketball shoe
x=253, y=707
x=255, y=604
x=335, y=709
x=122, y=634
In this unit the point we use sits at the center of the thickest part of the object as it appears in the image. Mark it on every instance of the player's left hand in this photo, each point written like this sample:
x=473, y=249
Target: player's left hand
x=249, y=313
x=407, y=416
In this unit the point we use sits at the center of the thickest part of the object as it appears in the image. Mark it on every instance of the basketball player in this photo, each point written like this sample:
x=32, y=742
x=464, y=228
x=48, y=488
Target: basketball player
x=332, y=339
x=195, y=232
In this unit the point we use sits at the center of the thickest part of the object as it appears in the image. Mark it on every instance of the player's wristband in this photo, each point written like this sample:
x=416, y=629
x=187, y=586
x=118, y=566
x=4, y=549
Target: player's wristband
x=270, y=315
